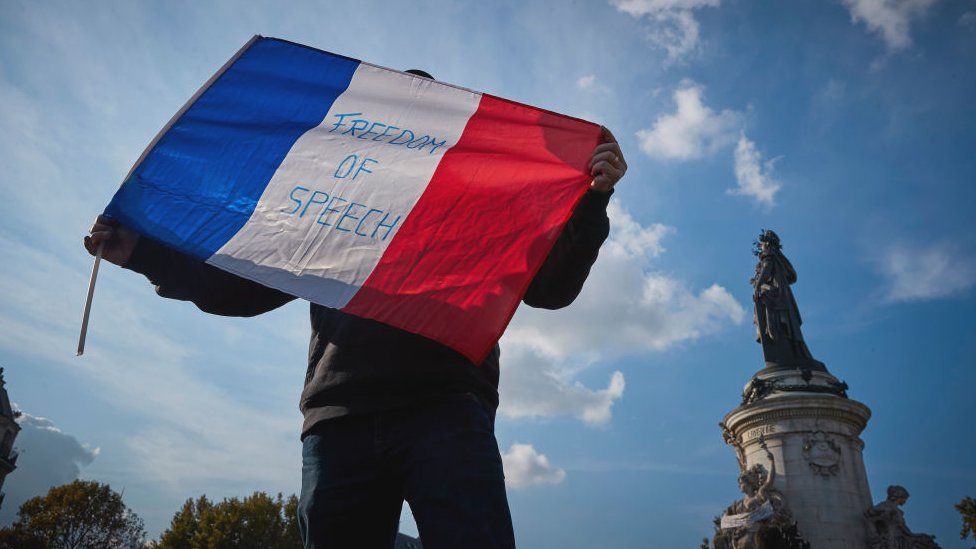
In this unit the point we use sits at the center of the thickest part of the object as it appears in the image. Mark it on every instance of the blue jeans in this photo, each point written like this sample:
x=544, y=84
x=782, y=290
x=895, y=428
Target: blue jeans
x=440, y=456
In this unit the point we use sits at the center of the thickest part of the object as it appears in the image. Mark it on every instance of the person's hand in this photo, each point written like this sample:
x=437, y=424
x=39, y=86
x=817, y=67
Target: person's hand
x=607, y=165
x=119, y=241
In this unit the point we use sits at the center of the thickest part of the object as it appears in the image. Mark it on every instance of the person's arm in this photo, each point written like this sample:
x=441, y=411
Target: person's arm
x=215, y=291
x=179, y=276
x=561, y=277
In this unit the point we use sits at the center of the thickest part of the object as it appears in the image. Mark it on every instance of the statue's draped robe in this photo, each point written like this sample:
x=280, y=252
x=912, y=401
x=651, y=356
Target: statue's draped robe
x=777, y=316
x=748, y=535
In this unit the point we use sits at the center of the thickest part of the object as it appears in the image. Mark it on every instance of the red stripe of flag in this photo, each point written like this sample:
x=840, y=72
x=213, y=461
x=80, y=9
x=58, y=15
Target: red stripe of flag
x=464, y=256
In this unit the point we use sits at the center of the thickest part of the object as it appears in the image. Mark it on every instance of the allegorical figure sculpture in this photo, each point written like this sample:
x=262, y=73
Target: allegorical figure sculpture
x=887, y=525
x=777, y=317
x=761, y=519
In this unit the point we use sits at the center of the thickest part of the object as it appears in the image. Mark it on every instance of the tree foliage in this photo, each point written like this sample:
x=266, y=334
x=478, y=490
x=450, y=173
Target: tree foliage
x=257, y=521
x=79, y=515
x=967, y=508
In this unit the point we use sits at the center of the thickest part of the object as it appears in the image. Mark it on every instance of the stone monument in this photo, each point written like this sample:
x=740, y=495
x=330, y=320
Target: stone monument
x=8, y=432
x=796, y=422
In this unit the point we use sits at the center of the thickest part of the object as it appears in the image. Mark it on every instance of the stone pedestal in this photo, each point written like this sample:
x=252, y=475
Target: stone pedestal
x=812, y=430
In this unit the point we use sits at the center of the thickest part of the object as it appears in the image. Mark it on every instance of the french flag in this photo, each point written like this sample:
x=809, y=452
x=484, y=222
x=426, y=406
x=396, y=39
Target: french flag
x=412, y=202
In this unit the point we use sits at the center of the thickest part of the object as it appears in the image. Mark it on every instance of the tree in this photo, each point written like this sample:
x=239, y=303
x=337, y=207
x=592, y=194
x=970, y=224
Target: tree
x=79, y=515
x=10, y=537
x=257, y=521
x=967, y=508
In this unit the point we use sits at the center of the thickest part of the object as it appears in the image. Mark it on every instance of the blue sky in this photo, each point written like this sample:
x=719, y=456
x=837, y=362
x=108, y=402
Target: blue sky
x=847, y=126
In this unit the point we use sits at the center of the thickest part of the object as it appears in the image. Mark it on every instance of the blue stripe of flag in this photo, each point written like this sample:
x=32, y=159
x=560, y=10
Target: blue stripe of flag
x=202, y=180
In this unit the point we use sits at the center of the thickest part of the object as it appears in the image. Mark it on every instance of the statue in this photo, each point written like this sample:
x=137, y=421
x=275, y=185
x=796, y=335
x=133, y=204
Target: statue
x=761, y=519
x=777, y=317
x=886, y=524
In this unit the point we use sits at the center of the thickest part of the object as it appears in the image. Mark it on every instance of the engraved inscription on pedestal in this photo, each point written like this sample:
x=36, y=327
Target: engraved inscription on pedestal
x=757, y=432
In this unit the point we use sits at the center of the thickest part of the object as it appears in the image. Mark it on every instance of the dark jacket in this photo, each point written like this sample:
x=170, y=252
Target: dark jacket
x=358, y=366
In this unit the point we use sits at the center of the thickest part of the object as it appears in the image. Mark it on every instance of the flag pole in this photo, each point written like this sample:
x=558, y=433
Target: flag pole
x=88, y=302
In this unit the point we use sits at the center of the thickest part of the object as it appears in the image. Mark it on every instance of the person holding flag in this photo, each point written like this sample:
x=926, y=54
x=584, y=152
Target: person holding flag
x=389, y=415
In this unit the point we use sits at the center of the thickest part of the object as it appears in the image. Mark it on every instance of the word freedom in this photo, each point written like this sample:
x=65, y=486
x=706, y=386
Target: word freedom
x=361, y=128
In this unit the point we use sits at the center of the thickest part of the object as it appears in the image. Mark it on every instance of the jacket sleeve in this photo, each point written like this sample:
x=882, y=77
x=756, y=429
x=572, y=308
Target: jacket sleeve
x=179, y=276
x=568, y=264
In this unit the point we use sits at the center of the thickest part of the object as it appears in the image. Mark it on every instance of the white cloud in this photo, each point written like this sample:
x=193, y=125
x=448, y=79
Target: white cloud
x=587, y=82
x=890, y=18
x=631, y=239
x=695, y=130
x=677, y=32
x=672, y=24
x=593, y=86
x=48, y=458
x=692, y=131
x=754, y=176
x=533, y=385
x=626, y=307
x=967, y=19
x=647, y=7
x=918, y=273
x=526, y=467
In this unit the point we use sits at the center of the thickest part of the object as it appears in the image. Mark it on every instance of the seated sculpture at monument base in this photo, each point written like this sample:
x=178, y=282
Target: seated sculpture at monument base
x=761, y=519
x=886, y=524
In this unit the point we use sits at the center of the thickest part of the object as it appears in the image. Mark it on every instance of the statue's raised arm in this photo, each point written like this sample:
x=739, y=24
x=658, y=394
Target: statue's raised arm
x=767, y=485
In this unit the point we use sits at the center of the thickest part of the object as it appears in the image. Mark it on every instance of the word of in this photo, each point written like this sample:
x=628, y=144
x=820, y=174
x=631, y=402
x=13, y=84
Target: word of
x=361, y=128
x=348, y=163
x=345, y=216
